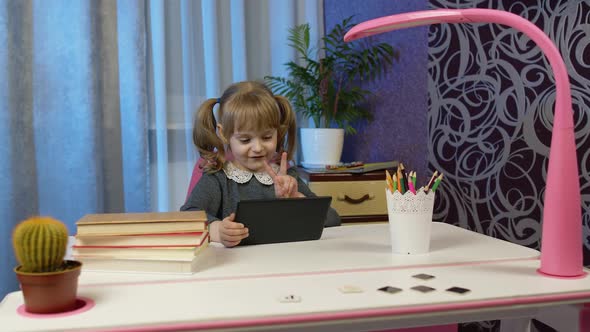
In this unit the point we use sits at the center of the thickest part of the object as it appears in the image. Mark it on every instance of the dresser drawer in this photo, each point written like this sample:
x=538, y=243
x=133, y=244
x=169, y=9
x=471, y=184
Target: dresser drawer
x=354, y=198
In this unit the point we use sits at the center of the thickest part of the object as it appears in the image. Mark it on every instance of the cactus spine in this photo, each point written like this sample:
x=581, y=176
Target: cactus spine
x=40, y=244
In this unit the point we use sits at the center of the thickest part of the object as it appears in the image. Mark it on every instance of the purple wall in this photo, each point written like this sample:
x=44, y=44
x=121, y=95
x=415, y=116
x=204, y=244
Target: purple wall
x=399, y=129
x=490, y=113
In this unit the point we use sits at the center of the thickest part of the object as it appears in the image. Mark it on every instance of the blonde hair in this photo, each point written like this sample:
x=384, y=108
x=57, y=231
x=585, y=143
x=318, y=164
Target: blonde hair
x=244, y=106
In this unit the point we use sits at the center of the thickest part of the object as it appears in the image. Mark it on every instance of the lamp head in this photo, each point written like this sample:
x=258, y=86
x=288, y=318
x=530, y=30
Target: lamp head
x=403, y=21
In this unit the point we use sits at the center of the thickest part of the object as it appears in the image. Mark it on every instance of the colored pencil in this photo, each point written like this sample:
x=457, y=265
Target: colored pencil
x=404, y=178
x=411, y=185
x=399, y=180
x=431, y=180
x=437, y=182
x=389, y=181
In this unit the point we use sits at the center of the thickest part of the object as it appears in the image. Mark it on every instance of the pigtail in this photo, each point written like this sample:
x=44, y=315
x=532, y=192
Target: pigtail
x=205, y=138
x=287, y=129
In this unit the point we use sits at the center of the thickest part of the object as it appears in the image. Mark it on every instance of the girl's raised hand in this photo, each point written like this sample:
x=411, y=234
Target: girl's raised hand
x=285, y=185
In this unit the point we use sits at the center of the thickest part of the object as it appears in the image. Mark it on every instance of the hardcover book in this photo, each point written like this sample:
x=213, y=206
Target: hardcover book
x=187, y=239
x=138, y=223
x=149, y=253
x=186, y=265
x=360, y=168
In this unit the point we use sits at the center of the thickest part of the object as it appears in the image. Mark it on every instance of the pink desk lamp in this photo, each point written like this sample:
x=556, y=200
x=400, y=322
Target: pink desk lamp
x=561, y=242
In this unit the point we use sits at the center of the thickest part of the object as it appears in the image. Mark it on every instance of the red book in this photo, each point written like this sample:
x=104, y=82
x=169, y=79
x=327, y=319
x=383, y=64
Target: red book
x=172, y=240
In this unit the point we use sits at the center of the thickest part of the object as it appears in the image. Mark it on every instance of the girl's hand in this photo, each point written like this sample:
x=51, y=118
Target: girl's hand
x=228, y=232
x=285, y=185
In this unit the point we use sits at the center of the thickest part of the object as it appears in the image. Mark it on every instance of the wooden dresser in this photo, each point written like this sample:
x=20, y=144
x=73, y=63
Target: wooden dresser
x=356, y=197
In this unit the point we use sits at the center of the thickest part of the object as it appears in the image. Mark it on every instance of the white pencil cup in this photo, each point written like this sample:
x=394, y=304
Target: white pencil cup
x=410, y=221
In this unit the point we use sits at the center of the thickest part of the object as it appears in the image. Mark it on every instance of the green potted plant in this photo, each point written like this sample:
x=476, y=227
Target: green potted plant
x=49, y=284
x=325, y=85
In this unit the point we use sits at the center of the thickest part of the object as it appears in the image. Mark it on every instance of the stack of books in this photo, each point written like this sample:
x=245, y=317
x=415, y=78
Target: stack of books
x=167, y=242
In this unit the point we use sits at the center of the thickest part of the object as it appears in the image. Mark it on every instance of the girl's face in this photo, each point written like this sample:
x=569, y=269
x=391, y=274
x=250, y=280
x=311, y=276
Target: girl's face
x=251, y=149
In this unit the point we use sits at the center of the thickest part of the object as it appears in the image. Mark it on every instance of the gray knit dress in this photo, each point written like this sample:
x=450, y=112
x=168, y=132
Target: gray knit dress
x=218, y=195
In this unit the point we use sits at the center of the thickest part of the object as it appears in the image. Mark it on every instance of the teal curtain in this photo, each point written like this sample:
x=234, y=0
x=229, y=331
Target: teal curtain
x=73, y=113
x=97, y=98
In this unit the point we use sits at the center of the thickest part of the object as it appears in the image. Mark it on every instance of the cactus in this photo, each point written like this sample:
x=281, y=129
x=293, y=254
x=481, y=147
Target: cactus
x=40, y=244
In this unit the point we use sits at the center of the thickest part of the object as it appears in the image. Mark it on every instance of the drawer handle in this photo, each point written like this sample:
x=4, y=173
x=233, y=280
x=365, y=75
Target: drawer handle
x=350, y=200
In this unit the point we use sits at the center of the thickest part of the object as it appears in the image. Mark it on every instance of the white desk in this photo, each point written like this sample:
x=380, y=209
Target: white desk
x=239, y=288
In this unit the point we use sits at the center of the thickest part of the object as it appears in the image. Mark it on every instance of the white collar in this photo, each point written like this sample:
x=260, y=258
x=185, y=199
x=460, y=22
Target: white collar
x=242, y=176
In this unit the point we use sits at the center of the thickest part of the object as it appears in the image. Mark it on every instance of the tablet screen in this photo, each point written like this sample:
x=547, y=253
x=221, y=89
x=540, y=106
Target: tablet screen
x=283, y=219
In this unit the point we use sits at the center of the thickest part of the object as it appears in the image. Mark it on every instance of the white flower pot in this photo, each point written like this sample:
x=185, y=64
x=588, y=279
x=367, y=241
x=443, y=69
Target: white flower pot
x=321, y=146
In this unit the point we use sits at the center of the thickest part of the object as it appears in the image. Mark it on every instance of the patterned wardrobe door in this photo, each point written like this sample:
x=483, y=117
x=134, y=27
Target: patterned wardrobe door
x=491, y=113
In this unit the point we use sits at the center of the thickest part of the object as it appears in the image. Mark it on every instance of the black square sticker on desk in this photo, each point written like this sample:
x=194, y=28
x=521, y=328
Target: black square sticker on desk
x=423, y=289
x=390, y=289
x=423, y=276
x=458, y=290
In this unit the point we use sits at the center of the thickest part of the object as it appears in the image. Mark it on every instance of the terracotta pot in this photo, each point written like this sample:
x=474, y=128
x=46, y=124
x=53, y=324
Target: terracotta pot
x=50, y=292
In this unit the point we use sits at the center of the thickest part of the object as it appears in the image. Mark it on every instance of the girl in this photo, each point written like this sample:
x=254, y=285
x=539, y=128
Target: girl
x=256, y=127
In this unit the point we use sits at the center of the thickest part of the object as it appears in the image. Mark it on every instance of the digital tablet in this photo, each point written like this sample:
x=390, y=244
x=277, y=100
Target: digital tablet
x=283, y=219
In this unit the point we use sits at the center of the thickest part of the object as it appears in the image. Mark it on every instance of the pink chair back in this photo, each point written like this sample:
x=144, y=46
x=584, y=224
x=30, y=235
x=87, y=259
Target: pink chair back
x=198, y=172
x=195, y=177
